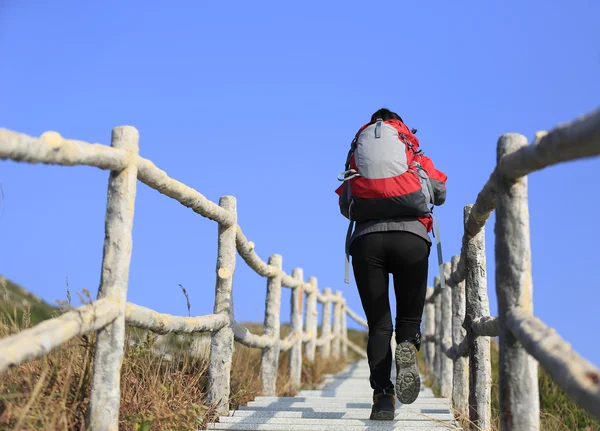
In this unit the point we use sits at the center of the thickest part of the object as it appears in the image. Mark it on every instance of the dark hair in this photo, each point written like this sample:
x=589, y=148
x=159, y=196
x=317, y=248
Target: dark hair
x=385, y=114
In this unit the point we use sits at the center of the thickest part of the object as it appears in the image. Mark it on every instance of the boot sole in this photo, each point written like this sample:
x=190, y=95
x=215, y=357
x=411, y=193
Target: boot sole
x=382, y=416
x=408, y=380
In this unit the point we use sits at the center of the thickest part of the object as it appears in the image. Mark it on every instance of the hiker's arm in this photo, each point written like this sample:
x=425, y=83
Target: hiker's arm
x=438, y=181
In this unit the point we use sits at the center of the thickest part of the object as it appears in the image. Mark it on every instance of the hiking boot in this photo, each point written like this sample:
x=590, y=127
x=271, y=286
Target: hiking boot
x=384, y=406
x=408, y=380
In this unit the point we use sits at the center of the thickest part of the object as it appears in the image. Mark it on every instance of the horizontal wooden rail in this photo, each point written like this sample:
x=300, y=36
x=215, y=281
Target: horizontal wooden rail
x=51, y=148
x=109, y=315
x=576, y=376
x=577, y=139
x=520, y=333
x=39, y=340
x=487, y=326
x=357, y=318
x=355, y=348
x=145, y=318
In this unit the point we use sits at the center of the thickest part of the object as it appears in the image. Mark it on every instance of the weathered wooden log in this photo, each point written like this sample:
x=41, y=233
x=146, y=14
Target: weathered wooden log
x=158, y=179
x=437, y=359
x=429, y=338
x=246, y=250
x=326, y=325
x=296, y=321
x=453, y=279
x=288, y=342
x=429, y=331
x=290, y=281
x=576, y=139
x=457, y=351
x=105, y=396
x=311, y=320
x=575, y=375
x=344, y=328
x=52, y=149
x=460, y=378
x=270, y=355
x=357, y=318
x=145, y=318
x=355, y=348
x=243, y=336
x=477, y=305
x=486, y=326
x=221, y=346
x=337, y=325
x=447, y=365
x=518, y=379
x=199, y=347
x=324, y=340
x=309, y=289
x=39, y=340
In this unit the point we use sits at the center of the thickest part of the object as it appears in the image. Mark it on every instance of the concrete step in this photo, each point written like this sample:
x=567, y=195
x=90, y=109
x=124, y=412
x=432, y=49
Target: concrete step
x=331, y=402
x=367, y=393
x=356, y=375
x=284, y=422
x=341, y=403
x=325, y=426
x=352, y=414
x=335, y=400
x=303, y=407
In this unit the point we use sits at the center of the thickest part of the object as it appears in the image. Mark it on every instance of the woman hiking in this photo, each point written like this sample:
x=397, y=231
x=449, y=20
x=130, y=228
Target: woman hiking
x=389, y=189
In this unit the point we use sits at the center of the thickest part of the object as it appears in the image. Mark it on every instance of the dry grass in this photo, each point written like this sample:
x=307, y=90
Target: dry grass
x=558, y=412
x=52, y=392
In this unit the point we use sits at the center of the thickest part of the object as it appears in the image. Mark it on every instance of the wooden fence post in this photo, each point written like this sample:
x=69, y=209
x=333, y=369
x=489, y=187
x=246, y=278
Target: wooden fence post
x=344, y=330
x=311, y=319
x=518, y=377
x=477, y=305
x=437, y=359
x=296, y=320
x=105, y=397
x=337, y=325
x=270, y=355
x=326, y=324
x=221, y=345
x=429, y=330
x=447, y=366
x=460, y=380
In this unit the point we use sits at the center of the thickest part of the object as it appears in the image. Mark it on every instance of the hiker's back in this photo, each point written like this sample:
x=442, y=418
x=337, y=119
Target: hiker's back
x=387, y=175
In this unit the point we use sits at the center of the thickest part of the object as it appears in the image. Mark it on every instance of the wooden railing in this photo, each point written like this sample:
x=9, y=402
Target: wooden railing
x=111, y=312
x=456, y=322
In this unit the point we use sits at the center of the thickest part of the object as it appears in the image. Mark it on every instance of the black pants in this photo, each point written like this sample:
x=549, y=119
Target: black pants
x=374, y=257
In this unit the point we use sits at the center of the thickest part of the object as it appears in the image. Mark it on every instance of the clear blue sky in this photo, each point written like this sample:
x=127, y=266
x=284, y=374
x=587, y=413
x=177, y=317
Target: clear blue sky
x=260, y=100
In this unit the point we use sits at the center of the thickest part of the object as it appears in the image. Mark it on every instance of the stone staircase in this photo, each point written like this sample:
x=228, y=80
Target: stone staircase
x=342, y=403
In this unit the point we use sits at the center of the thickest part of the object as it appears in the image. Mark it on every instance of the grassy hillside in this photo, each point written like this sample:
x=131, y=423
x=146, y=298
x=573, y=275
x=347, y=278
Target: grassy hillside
x=163, y=380
x=16, y=301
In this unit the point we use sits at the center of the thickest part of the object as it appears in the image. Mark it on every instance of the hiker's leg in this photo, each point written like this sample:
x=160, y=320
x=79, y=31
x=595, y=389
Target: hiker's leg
x=372, y=280
x=409, y=259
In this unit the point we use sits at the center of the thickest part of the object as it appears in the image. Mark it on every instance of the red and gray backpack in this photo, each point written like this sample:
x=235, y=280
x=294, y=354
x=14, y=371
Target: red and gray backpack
x=384, y=178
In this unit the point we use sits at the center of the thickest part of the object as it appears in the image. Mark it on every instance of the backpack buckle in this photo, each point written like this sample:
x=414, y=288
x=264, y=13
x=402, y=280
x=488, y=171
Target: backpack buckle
x=378, y=128
x=342, y=177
